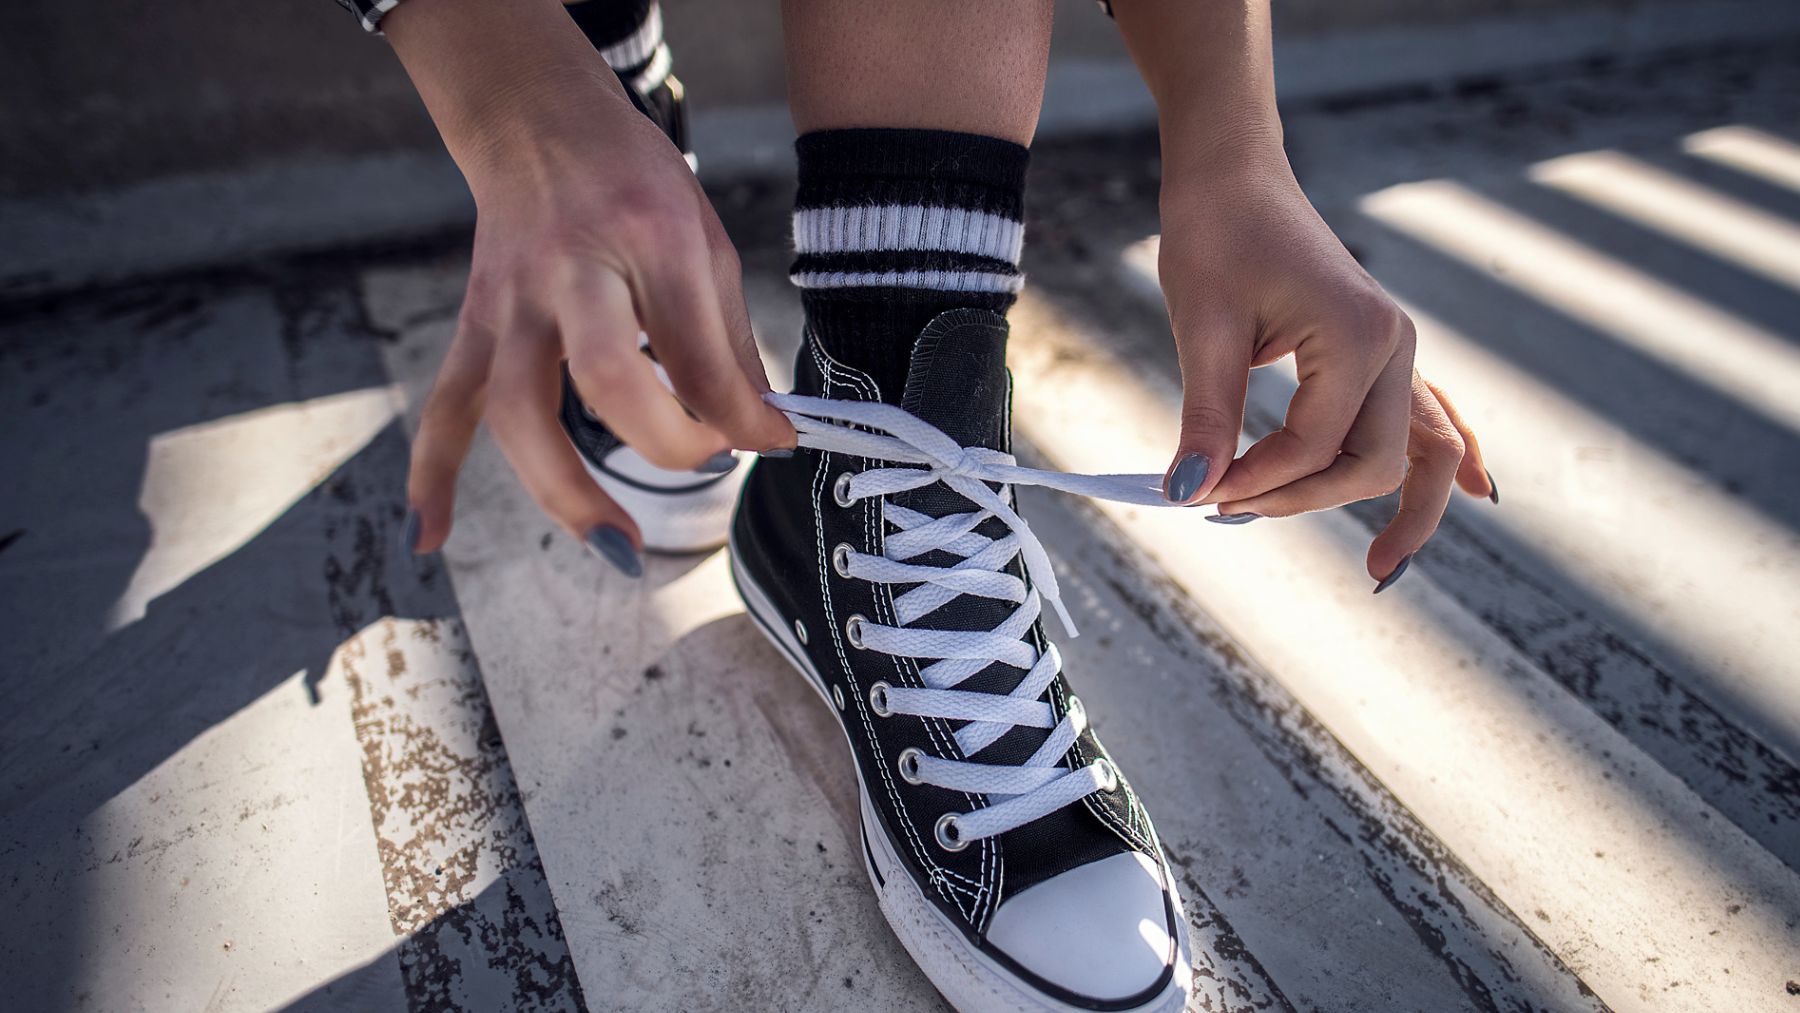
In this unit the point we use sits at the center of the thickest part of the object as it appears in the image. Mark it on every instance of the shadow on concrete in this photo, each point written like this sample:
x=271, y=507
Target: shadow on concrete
x=1649, y=688
x=92, y=705
x=443, y=964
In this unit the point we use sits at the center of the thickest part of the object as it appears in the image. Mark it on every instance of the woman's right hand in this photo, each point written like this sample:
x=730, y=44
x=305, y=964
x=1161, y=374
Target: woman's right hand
x=590, y=227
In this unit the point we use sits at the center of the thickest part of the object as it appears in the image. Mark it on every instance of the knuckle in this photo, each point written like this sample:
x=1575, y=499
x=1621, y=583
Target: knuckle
x=599, y=367
x=1316, y=457
x=1383, y=477
x=1444, y=444
x=1404, y=327
x=1373, y=318
x=1208, y=420
x=650, y=214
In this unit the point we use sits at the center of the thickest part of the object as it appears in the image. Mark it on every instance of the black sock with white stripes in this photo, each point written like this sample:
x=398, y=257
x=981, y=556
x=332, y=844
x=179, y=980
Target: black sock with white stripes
x=629, y=36
x=893, y=227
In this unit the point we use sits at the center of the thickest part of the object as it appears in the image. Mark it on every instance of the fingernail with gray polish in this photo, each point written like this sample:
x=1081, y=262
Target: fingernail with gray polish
x=1232, y=518
x=1187, y=478
x=779, y=453
x=1493, y=488
x=1388, y=581
x=614, y=546
x=409, y=532
x=718, y=464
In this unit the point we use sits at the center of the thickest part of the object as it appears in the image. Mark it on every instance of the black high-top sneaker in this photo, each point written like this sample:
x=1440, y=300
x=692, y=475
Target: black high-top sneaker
x=885, y=560
x=676, y=511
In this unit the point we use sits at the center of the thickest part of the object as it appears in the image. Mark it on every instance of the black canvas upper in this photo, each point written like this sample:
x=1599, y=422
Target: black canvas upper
x=786, y=527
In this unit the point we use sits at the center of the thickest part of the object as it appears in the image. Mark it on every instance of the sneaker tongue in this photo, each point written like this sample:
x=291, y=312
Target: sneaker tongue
x=957, y=379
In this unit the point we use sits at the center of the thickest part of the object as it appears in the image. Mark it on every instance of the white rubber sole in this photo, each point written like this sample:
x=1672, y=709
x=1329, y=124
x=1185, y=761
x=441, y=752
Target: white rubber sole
x=676, y=522
x=971, y=981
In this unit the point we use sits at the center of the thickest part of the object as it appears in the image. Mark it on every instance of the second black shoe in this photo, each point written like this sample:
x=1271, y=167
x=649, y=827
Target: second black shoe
x=886, y=561
x=676, y=511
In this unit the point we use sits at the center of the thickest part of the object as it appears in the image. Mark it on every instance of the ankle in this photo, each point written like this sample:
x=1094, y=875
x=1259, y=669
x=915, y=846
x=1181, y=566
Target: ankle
x=895, y=227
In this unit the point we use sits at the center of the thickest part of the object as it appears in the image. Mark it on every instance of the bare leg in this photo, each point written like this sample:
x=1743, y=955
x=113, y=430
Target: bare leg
x=977, y=68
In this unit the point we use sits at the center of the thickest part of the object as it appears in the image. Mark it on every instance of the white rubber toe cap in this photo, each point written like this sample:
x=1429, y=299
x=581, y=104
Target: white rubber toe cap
x=1099, y=931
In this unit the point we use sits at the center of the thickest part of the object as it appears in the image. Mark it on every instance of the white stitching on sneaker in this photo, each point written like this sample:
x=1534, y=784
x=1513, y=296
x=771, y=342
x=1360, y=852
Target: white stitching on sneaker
x=939, y=877
x=1040, y=785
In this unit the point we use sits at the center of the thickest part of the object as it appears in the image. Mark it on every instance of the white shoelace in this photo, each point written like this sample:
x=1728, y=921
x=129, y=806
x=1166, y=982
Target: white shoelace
x=1039, y=786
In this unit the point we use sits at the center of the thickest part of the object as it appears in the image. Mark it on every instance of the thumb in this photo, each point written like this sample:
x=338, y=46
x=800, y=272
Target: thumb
x=1215, y=372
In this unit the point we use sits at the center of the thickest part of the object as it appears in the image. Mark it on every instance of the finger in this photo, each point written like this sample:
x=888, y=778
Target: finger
x=618, y=382
x=1215, y=370
x=524, y=394
x=1434, y=452
x=1473, y=475
x=1337, y=369
x=679, y=305
x=446, y=428
x=1371, y=462
x=728, y=277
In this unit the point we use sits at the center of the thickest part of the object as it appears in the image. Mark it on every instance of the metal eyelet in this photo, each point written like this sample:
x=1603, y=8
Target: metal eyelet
x=878, y=701
x=908, y=765
x=840, y=490
x=853, y=631
x=1109, y=775
x=1076, y=713
x=837, y=697
x=840, y=559
x=946, y=833
x=800, y=632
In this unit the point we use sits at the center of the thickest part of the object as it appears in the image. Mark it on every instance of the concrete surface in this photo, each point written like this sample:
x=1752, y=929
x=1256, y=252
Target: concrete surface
x=252, y=757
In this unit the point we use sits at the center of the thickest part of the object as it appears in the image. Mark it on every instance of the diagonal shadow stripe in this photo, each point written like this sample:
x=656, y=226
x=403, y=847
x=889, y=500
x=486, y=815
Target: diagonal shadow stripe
x=466, y=888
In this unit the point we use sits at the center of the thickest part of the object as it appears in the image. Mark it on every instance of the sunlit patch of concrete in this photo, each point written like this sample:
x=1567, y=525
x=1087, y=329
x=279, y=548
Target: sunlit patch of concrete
x=212, y=487
x=238, y=872
x=1750, y=151
x=1745, y=235
x=1712, y=346
x=1602, y=503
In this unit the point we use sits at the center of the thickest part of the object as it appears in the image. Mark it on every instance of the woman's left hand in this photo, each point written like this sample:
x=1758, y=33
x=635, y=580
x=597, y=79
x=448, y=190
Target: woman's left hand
x=1251, y=275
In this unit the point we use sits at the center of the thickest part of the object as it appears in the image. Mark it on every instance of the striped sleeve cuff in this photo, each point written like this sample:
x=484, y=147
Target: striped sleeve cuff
x=369, y=12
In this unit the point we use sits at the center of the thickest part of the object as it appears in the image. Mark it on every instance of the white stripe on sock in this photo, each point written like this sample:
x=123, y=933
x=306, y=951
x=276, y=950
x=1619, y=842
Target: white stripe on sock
x=655, y=74
x=942, y=281
x=636, y=49
x=907, y=227
x=371, y=21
